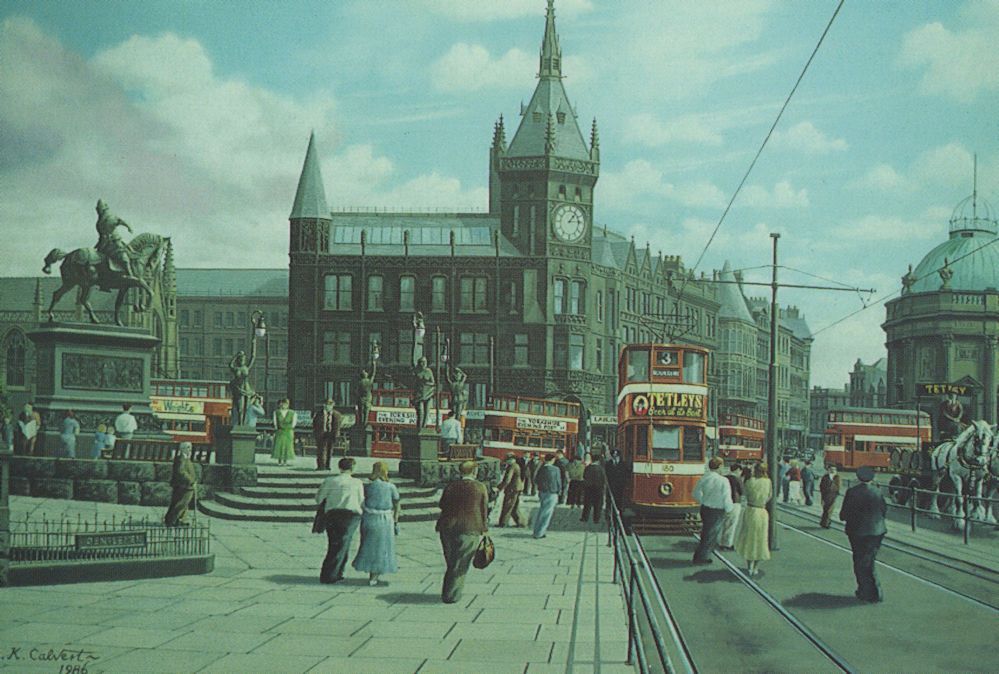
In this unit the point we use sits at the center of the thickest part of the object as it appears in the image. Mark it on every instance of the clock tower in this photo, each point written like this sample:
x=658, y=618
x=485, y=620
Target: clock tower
x=541, y=186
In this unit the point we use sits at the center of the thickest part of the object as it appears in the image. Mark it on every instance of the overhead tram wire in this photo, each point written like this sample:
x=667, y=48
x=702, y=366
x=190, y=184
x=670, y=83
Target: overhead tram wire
x=896, y=293
x=752, y=164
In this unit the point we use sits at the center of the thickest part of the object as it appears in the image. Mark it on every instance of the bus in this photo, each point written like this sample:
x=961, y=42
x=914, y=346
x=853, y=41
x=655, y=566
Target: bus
x=740, y=438
x=662, y=405
x=190, y=409
x=519, y=424
x=391, y=412
x=857, y=436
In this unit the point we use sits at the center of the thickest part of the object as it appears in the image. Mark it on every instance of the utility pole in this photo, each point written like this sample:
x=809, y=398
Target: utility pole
x=772, y=400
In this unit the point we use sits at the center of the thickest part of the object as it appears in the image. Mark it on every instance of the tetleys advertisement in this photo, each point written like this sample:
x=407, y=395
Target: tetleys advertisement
x=669, y=404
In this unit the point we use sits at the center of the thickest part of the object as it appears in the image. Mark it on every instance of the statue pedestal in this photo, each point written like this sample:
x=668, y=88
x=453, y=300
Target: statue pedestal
x=235, y=445
x=360, y=441
x=92, y=370
x=419, y=449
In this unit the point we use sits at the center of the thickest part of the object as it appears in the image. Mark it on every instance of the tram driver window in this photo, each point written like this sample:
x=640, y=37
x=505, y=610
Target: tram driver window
x=693, y=367
x=693, y=444
x=638, y=365
x=641, y=441
x=666, y=443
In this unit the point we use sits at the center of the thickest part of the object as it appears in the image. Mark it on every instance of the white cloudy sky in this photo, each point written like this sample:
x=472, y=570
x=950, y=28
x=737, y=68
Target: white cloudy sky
x=191, y=118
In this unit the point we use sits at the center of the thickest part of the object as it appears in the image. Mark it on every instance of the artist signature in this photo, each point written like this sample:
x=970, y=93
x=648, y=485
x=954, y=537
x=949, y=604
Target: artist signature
x=70, y=660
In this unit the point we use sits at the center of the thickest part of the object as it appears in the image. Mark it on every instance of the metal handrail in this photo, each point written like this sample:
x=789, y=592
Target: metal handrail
x=640, y=575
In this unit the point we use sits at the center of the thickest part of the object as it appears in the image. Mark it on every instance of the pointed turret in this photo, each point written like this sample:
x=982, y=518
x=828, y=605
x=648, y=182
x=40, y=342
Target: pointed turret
x=499, y=136
x=496, y=152
x=310, y=199
x=551, y=54
x=169, y=271
x=594, y=142
x=733, y=304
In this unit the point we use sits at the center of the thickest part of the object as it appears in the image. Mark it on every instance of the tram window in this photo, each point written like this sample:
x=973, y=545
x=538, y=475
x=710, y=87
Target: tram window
x=560, y=409
x=641, y=441
x=534, y=441
x=638, y=365
x=666, y=443
x=520, y=440
x=537, y=407
x=693, y=367
x=560, y=442
x=506, y=435
x=524, y=406
x=693, y=444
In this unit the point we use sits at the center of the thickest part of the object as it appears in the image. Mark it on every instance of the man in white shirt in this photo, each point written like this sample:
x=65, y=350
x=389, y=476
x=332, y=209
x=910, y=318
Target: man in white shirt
x=342, y=498
x=714, y=493
x=451, y=433
x=125, y=424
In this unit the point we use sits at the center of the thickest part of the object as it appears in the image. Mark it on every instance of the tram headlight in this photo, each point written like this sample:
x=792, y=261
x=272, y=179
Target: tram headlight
x=665, y=489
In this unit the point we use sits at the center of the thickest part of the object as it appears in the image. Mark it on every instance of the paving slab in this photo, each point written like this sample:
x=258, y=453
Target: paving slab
x=262, y=662
x=369, y=665
x=161, y=660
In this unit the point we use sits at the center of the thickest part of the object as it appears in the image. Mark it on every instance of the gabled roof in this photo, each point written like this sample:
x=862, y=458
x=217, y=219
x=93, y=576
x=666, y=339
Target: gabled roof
x=310, y=198
x=233, y=282
x=733, y=304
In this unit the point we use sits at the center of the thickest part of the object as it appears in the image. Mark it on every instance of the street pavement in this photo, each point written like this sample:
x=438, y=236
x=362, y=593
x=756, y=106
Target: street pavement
x=542, y=606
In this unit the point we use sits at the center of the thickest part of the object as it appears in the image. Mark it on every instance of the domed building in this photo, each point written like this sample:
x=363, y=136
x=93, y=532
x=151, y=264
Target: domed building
x=944, y=326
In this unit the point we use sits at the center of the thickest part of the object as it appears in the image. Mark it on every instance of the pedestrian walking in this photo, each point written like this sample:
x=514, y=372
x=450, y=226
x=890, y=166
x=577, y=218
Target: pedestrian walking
x=829, y=487
x=461, y=525
x=863, y=510
x=285, y=420
x=326, y=430
x=380, y=513
x=714, y=494
x=795, y=494
x=182, y=480
x=730, y=525
x=70, y=429
x=785, y=480
x=531, y=467
x=549, y=483
x=342, y=499
x=808, y=482
x=594, y=486
x=752, y=542
x=511, y=485
x=562, y=464
x=574, y=471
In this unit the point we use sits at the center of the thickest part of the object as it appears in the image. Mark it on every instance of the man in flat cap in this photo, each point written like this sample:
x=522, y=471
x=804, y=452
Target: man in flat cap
x=863, y=511
x=511, y=486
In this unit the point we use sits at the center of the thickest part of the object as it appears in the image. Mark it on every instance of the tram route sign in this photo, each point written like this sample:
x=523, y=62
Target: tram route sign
x=541, y=424
x=669, y=404
x=939, y=389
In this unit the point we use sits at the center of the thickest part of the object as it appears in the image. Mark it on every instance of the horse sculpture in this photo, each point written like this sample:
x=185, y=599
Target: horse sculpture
x=84, y=268
x=965, y=462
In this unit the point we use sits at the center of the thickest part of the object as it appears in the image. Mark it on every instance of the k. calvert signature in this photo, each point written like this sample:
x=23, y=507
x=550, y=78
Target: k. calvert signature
x=70, y=660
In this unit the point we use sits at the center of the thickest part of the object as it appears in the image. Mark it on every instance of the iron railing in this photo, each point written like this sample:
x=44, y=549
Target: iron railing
x=646, y=603
x=85, y=539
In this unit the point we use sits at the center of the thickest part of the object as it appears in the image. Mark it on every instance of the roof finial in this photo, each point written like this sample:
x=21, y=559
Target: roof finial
x=594, y=142
x=551, y=54
x=499, y=136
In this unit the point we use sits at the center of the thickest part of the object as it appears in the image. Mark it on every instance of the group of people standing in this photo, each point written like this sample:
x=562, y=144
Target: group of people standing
x=21, y=435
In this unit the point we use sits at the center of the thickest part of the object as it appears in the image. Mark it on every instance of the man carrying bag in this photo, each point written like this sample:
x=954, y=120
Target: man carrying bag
x=461, y=525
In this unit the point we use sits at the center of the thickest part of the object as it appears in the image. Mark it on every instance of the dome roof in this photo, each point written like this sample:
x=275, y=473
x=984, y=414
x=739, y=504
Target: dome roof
x=971, y=252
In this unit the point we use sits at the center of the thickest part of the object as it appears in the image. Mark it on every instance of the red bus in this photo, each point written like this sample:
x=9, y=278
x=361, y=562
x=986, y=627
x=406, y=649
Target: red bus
x=190, y=409
x=520, y=424
x=662, y=408
x=857, y=436
x=740, y=438
x=392, y=411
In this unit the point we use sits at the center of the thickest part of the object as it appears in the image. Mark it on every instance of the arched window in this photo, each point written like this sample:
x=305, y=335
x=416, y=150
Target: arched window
x=14, y=349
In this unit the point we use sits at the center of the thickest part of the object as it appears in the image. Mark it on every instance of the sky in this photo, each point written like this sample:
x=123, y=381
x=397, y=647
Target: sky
x=191, y=119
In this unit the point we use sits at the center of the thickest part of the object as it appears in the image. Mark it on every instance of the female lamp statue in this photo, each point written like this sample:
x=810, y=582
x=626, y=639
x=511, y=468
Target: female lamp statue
x=239, y=384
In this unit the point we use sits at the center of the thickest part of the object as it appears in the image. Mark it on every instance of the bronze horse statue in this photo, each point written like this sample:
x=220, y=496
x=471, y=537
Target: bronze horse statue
x=85, y=268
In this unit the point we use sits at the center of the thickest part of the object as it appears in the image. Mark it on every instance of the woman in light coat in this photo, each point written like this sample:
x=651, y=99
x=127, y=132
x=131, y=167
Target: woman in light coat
x=752, y=541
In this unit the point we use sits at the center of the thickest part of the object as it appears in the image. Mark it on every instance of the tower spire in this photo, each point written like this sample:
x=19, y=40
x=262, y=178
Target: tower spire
x=499, y=135
x=594, y=142
x=310, y=198
x=974, y=187
x=551, y=53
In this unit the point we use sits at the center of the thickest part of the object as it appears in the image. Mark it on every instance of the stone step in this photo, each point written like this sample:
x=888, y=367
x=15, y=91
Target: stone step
x=226, y=512
x=305, y=503
x=282, y=491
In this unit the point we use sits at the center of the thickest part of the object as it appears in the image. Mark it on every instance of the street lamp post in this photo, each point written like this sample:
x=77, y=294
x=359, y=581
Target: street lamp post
x=260, y=330
x=772, y=454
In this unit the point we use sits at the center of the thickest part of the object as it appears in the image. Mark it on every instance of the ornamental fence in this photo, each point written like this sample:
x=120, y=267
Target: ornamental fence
x=85, y=539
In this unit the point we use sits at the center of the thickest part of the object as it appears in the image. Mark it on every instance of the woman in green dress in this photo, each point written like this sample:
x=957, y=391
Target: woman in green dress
x=284, y=433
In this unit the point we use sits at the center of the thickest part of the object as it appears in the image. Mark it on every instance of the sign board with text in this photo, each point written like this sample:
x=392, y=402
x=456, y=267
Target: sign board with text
x=541, y=424
x=940, y=389
x=106, y=540
x=669, y=405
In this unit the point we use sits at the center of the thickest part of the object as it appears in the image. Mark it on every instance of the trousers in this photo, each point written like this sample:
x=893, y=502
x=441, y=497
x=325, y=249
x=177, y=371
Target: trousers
x=546, y=506
x=711, y=522
x=324, y=447
x=865, y=551
x=827, y=507
x=511, y=508
x=730, y=524
x=593, y=499
x=458, y=551
x=177, y=511
x=340, y=528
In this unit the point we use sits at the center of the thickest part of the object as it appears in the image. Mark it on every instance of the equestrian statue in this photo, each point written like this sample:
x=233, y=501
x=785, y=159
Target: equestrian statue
x=113, y=264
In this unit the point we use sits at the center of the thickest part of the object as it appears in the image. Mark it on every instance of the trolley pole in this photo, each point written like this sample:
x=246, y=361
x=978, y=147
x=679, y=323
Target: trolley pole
x=772, y=453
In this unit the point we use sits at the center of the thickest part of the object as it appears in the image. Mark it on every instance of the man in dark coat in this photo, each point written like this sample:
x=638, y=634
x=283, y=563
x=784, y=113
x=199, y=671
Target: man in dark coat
x=562, y=464
x=863, y=511
x=461, y=524
x=511, y=486
x=828, y=489
x=182, y=481
x=530, y=468
x=326, y=431
x=594, y=485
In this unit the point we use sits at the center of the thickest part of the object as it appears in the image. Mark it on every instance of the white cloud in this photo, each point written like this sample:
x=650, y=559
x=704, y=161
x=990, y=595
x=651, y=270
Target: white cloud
x=483, y=10
x=880, y=177
x=470, y=67
x=958, y=63
x=641, y=180
x=783, y=195
x=946, y=166
x=646, y=129
x=804, y=137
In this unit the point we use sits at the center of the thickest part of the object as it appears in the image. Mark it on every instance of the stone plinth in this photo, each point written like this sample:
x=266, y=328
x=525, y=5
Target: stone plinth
x=418, y=448
x=360, y=441
x=235, y=445
x=92, y=370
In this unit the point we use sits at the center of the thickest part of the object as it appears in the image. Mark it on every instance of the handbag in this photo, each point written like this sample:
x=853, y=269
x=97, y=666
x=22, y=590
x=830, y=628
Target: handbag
x=319, y=523
x=484, y=554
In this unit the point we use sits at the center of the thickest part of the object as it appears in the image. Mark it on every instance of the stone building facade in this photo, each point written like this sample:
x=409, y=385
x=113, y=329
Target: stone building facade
x=944, y=326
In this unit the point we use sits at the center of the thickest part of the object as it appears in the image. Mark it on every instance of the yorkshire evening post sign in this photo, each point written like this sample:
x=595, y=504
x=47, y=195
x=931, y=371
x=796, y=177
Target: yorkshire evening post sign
x=669, y=404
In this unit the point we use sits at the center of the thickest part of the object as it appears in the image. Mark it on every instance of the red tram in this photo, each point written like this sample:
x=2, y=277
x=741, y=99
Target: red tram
x=662, y=408
x=392, y=411
x=520, y=424
x=858, y=436
x=740, y=438
x=190, y=409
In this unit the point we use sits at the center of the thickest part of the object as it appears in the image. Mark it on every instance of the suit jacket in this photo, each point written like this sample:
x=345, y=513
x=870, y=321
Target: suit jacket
x=319, y=419
x=464, y=508
x=829, y=487
x=863, y=510
x=595, y=477
x=512, y=482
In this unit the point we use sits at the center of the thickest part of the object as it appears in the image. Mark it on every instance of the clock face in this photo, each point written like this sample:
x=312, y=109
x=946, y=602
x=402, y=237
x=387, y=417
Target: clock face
x=569, y=222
